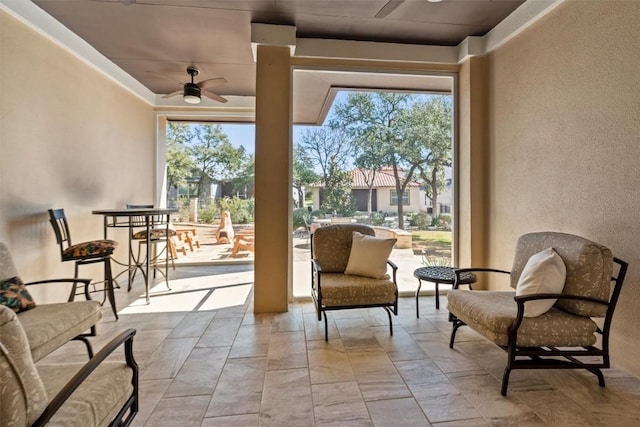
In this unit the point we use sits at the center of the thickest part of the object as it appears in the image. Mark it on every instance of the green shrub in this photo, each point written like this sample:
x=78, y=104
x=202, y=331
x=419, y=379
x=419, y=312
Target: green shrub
x=442, y=221
x=208, y=213
x=317, y=214
x=377, y=218
x=299, y=217
x=419, y=219
x=241, y=210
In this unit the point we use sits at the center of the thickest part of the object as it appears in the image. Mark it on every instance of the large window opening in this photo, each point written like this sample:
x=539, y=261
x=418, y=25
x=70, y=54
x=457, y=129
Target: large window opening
x=351, y=159
x=210, y=179
x=367, y=147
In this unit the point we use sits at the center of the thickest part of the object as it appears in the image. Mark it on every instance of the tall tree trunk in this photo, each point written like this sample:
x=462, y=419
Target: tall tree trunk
x=434, y=192
x=369, y=197
x=400, y=209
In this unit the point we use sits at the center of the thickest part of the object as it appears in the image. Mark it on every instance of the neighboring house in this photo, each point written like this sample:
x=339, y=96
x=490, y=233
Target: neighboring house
x=384, y=197
x=213, y=190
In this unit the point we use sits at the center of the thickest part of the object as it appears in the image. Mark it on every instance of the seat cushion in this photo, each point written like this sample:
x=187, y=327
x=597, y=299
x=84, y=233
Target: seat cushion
x=491, y=313
x=92, y=249
x=97, y=401
x=17, y=370
x=339, y=290
x=49, y=326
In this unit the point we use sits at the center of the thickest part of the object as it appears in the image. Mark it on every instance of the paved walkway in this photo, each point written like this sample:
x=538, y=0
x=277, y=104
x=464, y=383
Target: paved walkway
x=212, y=254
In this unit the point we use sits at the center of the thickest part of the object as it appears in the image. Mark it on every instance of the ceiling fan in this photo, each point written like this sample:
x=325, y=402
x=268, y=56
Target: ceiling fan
x=191, y=91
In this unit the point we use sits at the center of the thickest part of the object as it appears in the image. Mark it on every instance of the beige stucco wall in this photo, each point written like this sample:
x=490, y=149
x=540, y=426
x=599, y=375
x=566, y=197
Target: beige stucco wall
x=564, y=152
x=69, y=138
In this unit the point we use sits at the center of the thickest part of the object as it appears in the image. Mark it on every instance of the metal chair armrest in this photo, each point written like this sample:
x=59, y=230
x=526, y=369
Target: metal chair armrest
x=56, y=403
x=86, y=283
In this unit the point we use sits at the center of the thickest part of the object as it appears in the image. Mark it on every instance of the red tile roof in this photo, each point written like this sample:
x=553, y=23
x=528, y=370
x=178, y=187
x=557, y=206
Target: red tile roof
x=383, y=178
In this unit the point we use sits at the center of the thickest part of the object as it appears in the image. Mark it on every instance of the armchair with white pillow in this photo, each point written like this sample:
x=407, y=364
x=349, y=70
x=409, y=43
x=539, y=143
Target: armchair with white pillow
x=349, y=270
x=561, y=282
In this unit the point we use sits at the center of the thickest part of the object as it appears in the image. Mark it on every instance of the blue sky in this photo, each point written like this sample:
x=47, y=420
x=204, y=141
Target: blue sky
x=245, y=135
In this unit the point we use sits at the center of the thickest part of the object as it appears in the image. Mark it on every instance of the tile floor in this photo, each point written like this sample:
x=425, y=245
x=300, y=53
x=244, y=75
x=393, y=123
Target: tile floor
x=207, y=360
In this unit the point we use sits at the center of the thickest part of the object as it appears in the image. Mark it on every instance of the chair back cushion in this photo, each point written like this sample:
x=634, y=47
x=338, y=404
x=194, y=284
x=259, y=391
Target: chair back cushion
x=332, y=245
x=544, y=273
x=22, y=394
x=589, y=267
x=7, y=267
x=369, y=256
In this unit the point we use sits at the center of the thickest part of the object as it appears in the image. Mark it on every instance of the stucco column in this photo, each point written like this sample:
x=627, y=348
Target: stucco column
x=472, y=163
x=273, y=264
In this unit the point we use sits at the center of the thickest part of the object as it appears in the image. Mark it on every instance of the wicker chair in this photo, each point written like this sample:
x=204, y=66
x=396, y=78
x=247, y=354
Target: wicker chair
x=333, y=288
x=562, y=334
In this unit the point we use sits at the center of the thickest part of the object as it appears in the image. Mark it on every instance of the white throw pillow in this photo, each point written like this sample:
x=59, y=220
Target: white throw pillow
x=544, y=273
x=369, y=256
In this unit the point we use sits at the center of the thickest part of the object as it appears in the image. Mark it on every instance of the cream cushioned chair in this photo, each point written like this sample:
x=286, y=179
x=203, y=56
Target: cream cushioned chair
x=49, y=326
x=95, y=394
x=564, y=336
x=333, y=289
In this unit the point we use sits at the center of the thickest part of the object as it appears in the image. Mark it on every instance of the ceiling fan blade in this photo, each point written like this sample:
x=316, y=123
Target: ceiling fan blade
x=177, y=92
x=388, y=8
x=211, y=82
x=213, y=96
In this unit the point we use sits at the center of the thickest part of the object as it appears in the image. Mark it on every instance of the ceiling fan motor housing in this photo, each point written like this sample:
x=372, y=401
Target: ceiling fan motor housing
x=191, y=91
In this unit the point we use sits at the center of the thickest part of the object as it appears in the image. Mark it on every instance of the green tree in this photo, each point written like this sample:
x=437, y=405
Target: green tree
x=397, y=130
x=324, y=146
x=432, y=124
x=329, y=148
x=303, y=173
x=337, y=197
x=244, y=182
x=214, y=156
x=372, y=119
x=179, y=162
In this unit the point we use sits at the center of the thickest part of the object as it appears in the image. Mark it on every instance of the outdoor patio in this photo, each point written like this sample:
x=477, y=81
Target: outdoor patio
x=212, y=254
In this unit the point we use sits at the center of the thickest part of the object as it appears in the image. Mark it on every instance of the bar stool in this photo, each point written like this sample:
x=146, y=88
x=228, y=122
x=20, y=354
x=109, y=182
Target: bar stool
x=157, y=235
x=84, y=253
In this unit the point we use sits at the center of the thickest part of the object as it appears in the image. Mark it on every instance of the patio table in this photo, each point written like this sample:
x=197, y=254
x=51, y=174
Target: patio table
x=440, y=274
x=124, y=218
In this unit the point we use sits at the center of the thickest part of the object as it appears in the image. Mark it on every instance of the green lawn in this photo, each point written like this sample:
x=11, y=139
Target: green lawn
x=433, y=244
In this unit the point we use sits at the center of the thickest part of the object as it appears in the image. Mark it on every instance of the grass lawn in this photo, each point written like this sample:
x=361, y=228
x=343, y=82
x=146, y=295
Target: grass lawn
x=433, y=244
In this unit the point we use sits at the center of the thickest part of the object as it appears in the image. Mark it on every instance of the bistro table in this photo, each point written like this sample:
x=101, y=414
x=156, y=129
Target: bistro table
x=125, y=218
x=437, y=275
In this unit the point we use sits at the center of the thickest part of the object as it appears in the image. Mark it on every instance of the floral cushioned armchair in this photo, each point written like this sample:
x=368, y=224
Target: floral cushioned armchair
x=563, y=336
x=49, y=326
x=336, y=284
x=95, y=394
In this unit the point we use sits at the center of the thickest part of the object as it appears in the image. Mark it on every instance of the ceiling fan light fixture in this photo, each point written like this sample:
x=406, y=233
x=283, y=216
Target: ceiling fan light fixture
x=191, y=99
x=191, y=93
